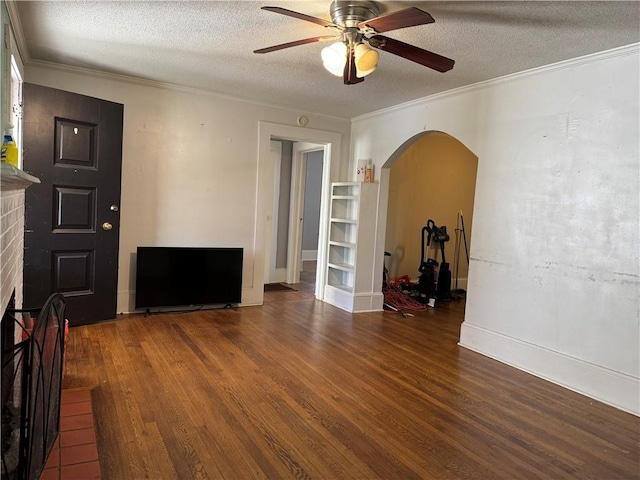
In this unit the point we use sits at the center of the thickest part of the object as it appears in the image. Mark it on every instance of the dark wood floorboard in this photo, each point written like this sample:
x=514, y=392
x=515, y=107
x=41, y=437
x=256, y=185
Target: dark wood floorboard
x=300, y=389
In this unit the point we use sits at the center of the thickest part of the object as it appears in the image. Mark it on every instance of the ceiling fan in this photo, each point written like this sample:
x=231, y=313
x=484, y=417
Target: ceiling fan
x=356, y=23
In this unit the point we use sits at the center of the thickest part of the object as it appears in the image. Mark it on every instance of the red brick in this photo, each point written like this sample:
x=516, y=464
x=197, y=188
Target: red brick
x=50, y=474
x=81, y=471
x=54, y=459
x=78, y=454
x=77, y=437
x=75, y=396
x=71, y=409
x=76, y=422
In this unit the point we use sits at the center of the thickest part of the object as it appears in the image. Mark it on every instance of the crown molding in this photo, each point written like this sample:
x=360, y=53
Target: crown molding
x=18, y=33
x=626, y=50
x=118, y=77
x=27, y=61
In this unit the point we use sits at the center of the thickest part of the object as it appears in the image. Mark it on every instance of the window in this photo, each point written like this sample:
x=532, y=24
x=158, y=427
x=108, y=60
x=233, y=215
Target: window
x=15, y=113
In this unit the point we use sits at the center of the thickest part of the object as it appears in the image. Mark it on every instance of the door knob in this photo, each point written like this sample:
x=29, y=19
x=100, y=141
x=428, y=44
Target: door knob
x=114, y=208
x=107, y=226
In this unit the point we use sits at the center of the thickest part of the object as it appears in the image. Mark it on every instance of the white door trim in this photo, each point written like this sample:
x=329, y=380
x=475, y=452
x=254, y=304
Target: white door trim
x=264, y=198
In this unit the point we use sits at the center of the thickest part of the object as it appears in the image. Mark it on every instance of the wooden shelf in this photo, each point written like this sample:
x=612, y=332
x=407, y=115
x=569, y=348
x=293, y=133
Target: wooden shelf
x=342, y=244
x=345, y=197
x=345, y=267
x=344, y=288
x=344, y=220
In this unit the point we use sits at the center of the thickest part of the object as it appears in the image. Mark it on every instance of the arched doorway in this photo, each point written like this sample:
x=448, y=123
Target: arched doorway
x=431, y=176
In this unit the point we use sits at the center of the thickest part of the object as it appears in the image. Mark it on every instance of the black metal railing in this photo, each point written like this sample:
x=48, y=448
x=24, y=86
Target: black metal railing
x=31, y=387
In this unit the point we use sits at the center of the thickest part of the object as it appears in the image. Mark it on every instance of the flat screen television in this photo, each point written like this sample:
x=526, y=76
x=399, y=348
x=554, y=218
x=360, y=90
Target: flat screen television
x=184, y=276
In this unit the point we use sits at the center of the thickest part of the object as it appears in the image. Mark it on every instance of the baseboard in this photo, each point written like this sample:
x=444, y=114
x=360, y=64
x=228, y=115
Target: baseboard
x=309, y=255
x=353, y=303
x=126, y=301
x=462, y=284
x=252, y=296
x=367, y=302
x=608, y=386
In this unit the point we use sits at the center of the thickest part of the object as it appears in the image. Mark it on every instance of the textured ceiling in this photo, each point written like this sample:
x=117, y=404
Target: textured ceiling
x=208, y=45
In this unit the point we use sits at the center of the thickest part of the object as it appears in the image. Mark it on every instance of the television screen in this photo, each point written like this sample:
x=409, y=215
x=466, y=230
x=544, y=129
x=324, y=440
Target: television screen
x=182, y=276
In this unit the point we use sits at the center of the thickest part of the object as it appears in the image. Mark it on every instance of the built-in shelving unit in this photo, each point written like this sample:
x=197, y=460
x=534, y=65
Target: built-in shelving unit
x=350, y=259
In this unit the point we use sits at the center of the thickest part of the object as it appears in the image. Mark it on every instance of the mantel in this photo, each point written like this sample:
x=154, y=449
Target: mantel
x=14, y=179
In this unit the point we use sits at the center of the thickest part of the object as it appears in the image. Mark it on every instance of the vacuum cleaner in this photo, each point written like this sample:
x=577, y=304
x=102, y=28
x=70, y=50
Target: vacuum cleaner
x=430, y=288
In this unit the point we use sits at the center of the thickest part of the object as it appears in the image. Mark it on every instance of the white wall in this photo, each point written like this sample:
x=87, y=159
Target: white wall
x=554, y=274
x=190, y=168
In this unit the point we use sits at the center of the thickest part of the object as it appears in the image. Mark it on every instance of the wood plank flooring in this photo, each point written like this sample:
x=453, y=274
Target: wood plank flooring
x=299, y=389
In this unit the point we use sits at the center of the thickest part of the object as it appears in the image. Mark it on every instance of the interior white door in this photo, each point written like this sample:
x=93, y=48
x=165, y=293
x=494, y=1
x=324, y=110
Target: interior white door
x=296, y=210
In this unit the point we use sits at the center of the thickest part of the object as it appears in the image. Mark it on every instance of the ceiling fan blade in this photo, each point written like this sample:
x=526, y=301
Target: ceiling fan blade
x=295, y=44
x=408, y=17
x=410, y=52
x=350, y=77
x=300, y=16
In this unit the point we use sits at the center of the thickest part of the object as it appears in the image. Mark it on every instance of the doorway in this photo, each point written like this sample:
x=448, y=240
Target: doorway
x=331, y=143
x=294, y=219
x=433, y=177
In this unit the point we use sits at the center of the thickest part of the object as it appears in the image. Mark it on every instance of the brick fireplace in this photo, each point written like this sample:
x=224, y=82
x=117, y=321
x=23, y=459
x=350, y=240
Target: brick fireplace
x=13, y=184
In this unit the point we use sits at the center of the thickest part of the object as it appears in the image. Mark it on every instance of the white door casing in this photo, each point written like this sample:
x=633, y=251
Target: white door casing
x=264, y=198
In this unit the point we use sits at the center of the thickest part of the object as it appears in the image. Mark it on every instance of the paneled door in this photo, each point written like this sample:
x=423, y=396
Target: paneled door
x=73, y=144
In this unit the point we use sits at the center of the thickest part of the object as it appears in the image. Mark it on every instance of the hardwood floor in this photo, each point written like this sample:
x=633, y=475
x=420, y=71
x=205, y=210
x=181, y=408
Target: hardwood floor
x=299, y=389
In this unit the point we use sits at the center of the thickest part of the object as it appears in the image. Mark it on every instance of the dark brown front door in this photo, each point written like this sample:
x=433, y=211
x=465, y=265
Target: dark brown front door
x=73, y=144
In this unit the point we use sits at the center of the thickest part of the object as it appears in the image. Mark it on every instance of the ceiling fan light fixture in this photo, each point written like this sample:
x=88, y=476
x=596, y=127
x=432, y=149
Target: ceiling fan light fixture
x=338, y=72
x=366, y=58
x=334, y=58
x=364, y=73
x=358, y=25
